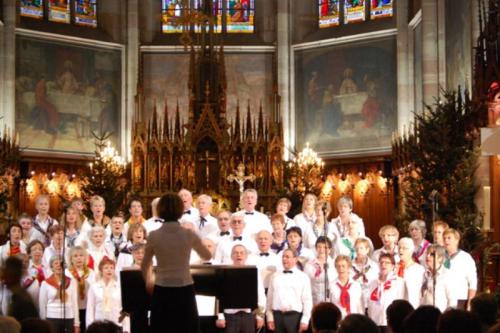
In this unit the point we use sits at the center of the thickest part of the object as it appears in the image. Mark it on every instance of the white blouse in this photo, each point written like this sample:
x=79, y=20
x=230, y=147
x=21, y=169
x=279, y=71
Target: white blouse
x=89, y=281
x=51, y=306
x=104, y=302
x=355, y=297
x=316, y=273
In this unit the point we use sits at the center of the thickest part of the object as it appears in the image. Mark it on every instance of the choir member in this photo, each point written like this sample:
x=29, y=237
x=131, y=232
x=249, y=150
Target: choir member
x=294, y=242
x=289, y=298
x=79, y=205
x=224, y=225
x=136, y=235
x=206, y=224
x=29, y=233
x=389, y=235
x=83, y=277
x=14, y=244
x=223, y=252
x=340, y=223
x=346, y=293
x=462, y=267
x=364, y=269
x=97, y=208
x=104, y=300
x=318, y=228
x=243, y=320
x=96, y=249
x=307, y=216
x=266, y=260
x=116, y=240
x=279, y=233
x=28, y=280
x=71, y=223
x=210, y=245
x=254, y=221
x=283, y=206
x=190, y=214
x=43, y=222
x=154, y=222
x=36, y=266
x=58, y=302
x=316, y=269
x=417, y=230
x=56, y=245
x=382, y=291
x=438, y=228
x=410, y=271
x=438, y=288
x=345, y=244
x=135, y=214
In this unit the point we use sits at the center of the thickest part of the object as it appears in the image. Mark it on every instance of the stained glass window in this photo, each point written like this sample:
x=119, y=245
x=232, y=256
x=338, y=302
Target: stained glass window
x=354, y=10
x=32, y=8
x=86, y=13
x=240, y=16
x=217, y=14
x=328, y=13
x=59, y=11
x=171, y=12
x=381, y=8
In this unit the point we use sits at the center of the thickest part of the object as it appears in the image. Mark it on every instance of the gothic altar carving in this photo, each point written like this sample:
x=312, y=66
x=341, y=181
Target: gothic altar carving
x=200, y=153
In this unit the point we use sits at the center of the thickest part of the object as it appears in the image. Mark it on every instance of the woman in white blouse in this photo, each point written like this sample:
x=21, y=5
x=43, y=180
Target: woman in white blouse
x=97, y=249
x=316, y=268
x=411, y=272
x=104, y=300
x=59, y=305
x=346, y=293
x=308, y=215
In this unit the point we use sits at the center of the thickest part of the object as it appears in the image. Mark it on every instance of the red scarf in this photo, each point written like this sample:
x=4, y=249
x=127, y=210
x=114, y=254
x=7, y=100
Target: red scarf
x=14, y=250
x=56, y=284
x=377, y=292
x=401, y=269
x=91, y=262
x=423, y=248
x=28, y=282
x=40, y=275
x=80, y=280
x=345, y=298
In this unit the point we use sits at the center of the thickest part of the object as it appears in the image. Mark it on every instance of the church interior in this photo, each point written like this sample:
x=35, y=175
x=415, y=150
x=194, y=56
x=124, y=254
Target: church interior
x=392, y=103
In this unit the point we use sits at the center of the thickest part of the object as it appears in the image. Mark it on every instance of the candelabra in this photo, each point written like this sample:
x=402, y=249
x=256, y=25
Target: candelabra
x=306, y=172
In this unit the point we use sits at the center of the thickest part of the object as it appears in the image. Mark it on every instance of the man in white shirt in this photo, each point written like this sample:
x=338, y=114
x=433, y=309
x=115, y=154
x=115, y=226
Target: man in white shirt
x=154, y=222
x=255, y=221
x=267, y=261
x=224, y=226
x=190, y=214
x=223, y=252
x=438, y=288
x=242, y=320
x=206, y=224
x=462, y=267
x=289, y=298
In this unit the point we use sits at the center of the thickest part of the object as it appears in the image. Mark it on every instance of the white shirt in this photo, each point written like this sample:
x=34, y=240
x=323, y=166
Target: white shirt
x=96, y=254
x=90, y=280
x=31, y=285
x=152, y=224
x=290, y=292
x=463, y=270
x=219, y=236
x=446, y=296
x=5, y=251
x=254, y=222
x=50, y=304
x=304, y=255
x=48, y=253
x=223, y=252
x=267, y=265
x=413, y=278
x=340, y=230
x=207, y=228
x=105, y=303
x=376, y=254
x=33, y=235
x=365, y=274
x=190, y=215
x=302, y=220
x=316, y=273
x=355, y=296
x=311, y=232
x=381, y=294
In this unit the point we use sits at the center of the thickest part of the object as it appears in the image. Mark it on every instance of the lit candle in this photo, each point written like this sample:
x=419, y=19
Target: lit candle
x=487, y=208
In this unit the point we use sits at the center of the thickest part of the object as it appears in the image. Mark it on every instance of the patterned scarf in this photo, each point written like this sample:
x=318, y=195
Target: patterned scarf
x=46, y=236
x=345, y=298
x=350, y=246
x=80, y=280
x=278, y=247
x=54, y=282
x=361, y=273
x=377, y=292
x=420, y=250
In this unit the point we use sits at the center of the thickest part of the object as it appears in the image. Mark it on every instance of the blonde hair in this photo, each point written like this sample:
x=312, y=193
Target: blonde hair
x=310, y=195
x=95, y=199
x=341, y=257
x=135, y=227
x=454, y=232
x=78, y=222
x=440, y=223
x=75, y=249
x=386, y=228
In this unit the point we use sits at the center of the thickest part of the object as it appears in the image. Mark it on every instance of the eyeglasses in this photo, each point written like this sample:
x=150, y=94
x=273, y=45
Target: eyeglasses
x=237, y=222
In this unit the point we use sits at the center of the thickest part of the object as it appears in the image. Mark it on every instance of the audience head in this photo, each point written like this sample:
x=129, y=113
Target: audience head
x=283, y=206
x=485, y=307
x=451, y=239
x=423, y=319
x=170, y=207
x=103, y=326
x=224, y=220
x=325, y=317
x=186, y=199
x=239, y=255
x=438, y=228
x=458, y=321
x=396, y=314
x=12, y=271
x=417, y=230
x=357, y=323
x=9, y=325
x=344, y=206
x=406, y=248
x=389, y=235
x=35, y=325
x=249, y=199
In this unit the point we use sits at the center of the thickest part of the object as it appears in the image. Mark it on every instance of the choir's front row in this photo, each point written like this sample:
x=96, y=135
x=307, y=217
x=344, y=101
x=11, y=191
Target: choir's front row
x=301, y=262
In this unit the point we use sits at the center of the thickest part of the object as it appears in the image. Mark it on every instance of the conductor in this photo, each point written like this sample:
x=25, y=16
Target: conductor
x=173, y=305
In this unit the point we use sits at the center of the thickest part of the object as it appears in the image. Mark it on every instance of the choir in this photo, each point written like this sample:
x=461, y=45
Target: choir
x=301, y=262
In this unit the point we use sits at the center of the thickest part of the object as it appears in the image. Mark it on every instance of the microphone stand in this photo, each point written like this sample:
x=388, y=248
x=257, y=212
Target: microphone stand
x=434, y=204
x=434, y=275
x=62, y=284
x=325, y=266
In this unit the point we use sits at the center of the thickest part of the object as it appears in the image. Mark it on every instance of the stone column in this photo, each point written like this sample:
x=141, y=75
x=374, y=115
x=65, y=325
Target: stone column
x=430, y=52
x=131, y=70
x=8, y=65
x=405, y=82
x=284, y=71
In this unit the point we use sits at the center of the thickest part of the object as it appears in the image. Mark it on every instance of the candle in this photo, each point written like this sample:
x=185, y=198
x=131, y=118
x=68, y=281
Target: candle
x=487, y=208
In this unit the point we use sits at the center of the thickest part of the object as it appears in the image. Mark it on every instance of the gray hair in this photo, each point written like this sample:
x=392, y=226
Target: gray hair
x=344, y=200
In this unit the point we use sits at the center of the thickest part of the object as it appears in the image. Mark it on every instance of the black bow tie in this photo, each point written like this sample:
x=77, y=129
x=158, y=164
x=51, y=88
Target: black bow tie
x=202, y=222
x=159, y=220
x=222, y=233
x=187, y=211
x=264, y=254
x=288, y=272
x=248, y=213
x=235, y=238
